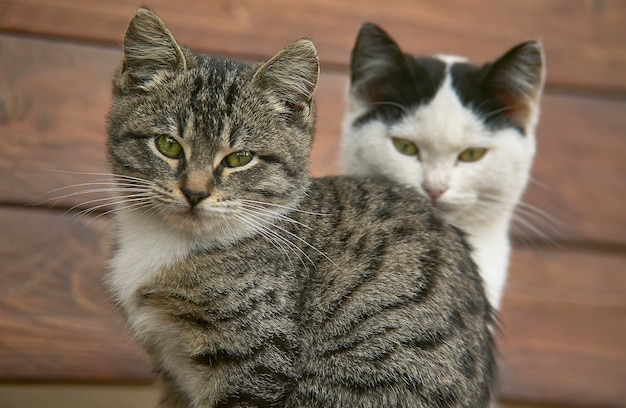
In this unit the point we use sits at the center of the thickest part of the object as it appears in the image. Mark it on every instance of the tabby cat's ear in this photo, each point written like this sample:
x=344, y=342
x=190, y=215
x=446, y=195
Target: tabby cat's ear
x=292, y=76
x=516, y=79
x=376, y=59
x=150, y=49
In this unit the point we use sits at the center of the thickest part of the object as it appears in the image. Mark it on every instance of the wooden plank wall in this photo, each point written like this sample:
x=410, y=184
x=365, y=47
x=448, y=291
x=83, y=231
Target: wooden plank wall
x=564, y=312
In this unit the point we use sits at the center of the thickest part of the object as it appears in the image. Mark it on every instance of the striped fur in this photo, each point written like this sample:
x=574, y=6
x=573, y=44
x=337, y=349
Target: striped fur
x=268, y=288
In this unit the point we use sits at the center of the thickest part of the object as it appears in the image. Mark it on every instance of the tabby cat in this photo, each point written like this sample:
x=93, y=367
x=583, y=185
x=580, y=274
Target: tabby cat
x=250, y=284
x=461, y=135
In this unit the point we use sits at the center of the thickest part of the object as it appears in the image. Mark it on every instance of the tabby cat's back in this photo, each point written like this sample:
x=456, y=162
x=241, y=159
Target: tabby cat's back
x=404, y=312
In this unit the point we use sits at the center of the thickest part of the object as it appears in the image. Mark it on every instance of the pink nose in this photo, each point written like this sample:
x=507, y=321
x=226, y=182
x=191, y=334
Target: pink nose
x=434, y=192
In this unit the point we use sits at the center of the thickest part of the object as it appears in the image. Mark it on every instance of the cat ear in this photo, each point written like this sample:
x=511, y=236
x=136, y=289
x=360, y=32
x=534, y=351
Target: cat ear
x=376, y=58
x=149, y=48
x=516, y=79
x=292, y=76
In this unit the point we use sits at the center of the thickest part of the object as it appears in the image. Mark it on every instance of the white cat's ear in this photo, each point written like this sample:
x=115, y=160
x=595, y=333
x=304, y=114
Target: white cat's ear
x=150, y=48
x=376, y=63
x=517, y=79
x=292, y=76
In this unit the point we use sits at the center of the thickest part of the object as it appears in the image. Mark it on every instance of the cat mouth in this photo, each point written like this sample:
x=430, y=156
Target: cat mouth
x=194, y=220
x=179, y=214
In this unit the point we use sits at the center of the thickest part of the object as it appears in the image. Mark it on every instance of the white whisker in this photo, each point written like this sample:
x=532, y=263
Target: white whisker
x=525, y=216
x=130, y=207
x=523, y=206
x=303, y=241
x=541, y=184
x=395, y=105
x=113, y=201
x=277, y=241
x=285, y=207
x=113, y=175
x=112, y=184
x=276, y=236
x=54, y=200
x=264, y=211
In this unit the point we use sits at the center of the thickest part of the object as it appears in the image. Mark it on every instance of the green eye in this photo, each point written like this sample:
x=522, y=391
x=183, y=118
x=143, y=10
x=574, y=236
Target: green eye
x=472, y=154
x=169, y=146
x=237, y=159
x=405, y=146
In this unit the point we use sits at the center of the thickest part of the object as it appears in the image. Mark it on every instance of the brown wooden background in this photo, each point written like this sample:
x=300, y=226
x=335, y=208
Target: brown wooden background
x=564, y=311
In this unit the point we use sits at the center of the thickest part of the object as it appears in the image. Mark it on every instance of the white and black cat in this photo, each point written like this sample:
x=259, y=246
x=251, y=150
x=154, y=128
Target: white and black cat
x=250, y=284
x=462, y=135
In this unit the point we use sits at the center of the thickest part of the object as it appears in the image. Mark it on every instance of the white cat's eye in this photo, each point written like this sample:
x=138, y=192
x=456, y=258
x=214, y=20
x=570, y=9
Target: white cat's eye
x=168, y=146
x=237, y=159
x=472, y=154
x=405, y=146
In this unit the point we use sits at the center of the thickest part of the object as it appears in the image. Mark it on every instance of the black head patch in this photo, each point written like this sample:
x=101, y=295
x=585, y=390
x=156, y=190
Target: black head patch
x=393, y=83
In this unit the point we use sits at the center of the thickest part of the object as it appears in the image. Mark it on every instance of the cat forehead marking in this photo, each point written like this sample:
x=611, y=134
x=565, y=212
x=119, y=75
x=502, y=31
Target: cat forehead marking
x=445, y=116
x=450, y=59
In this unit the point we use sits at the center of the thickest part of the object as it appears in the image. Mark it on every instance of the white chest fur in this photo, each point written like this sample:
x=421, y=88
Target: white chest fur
x=491, y=254
x=144, y=249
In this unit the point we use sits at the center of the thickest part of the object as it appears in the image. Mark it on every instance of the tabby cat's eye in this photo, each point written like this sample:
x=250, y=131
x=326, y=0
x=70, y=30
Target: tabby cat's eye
x=169, y=146
x=472, y=154
x=237, y=159
x=405, y=146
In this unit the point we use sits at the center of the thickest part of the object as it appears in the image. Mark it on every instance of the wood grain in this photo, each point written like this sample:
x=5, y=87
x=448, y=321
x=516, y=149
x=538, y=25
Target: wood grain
x=56, y=319
x=63, y=92
x=55, y=99
x=583, y=39
x=564, y=328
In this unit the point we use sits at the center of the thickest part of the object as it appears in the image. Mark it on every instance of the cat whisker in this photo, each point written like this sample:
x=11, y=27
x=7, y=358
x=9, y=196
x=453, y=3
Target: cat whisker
x=126, y=205
x=111, y=179
x=55, y=200
x=118, y=205
x=273, y=235
x=106, y=202
x=531, y=210
x=256, y=226
x=551, y=229
x=526, y=216
x=303, y=241
x=112, y=175
x=285, y=207
x=129, y=207
x=286, y=240
x=107, y=182
x=394, y=104
x=541, y=184
x=134, y=189
x=542, y=214
x=492, y=198
x=112, y=184
x=528, y=233
x=495, y=112
x=264, y=211
x=109, y=201
x=278, y=241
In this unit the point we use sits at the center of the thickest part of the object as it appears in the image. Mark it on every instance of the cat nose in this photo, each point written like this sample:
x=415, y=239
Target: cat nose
x=434, y=192
x=194, y=197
